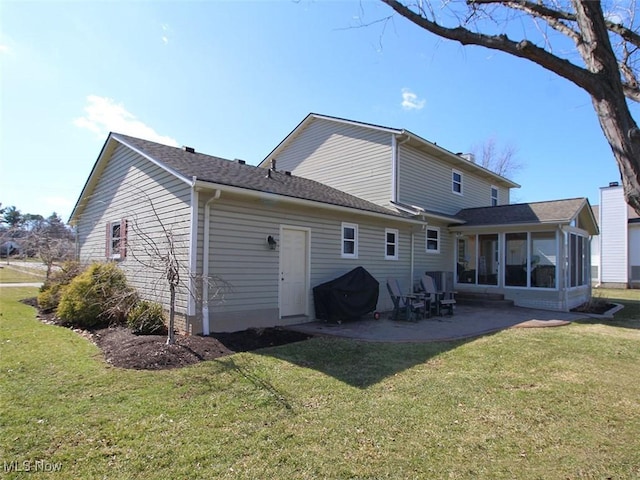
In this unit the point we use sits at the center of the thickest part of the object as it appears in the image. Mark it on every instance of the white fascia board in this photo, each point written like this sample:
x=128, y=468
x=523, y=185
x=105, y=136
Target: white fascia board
x=186, y=180
x=503, y=226
x=302, y=202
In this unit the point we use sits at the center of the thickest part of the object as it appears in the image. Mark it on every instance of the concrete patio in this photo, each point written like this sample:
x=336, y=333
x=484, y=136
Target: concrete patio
x=468, y=321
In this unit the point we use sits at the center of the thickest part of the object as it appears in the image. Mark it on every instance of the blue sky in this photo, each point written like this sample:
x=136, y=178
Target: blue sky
x=233, y=78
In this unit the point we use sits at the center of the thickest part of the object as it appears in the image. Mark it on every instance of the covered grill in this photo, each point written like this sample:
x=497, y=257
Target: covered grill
x=347, y=297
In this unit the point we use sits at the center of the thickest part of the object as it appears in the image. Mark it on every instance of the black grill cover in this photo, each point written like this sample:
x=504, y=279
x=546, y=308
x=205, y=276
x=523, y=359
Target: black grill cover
x=347, y=297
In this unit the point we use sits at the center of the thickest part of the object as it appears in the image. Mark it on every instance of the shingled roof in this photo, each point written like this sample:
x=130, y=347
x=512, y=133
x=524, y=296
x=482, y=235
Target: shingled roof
x=220, y=171
x=556, y=211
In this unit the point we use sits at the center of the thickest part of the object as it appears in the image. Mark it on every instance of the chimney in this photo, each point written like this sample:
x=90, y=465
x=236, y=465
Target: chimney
x=188, y=149
x=273, y=164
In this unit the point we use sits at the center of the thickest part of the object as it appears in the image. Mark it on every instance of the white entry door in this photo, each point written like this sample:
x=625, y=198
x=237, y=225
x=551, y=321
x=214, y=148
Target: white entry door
x=294, y=271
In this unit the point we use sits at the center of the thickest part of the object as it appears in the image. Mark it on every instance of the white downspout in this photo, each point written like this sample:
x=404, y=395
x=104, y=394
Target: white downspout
x=193, y=250
x=394, y=168
x=205, y=263
x=412, y=259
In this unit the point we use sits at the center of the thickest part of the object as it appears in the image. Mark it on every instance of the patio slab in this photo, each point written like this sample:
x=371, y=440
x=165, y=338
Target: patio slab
x=468, y=321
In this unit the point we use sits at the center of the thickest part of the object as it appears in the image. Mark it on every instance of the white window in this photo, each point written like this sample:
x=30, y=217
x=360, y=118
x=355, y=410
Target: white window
x=116, y=240
x=456, y=182
x=433, y=240
x=390, y=244
x=494, y=196
x=349, y=240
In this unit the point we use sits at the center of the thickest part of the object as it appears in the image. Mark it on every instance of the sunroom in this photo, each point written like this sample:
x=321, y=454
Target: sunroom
x=536, y=254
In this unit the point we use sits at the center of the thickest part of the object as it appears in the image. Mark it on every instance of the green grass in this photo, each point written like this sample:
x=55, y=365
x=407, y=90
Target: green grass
x=630, y=314
x=8, y=274
x=524, y=403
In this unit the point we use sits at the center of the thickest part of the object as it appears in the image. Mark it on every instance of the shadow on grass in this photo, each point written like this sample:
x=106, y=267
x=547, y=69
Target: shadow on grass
x=359, y=363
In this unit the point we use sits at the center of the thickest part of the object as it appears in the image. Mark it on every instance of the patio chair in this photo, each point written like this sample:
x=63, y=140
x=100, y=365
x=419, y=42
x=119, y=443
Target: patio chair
x=442, y=300
x=411, y=305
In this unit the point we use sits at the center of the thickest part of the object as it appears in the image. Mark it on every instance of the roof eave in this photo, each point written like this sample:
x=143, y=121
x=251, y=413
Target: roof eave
x=202, y=184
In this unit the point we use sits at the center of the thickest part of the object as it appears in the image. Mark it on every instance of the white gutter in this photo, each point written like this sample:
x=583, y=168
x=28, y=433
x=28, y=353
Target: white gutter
x=276, y=197
x=193, y=250
x=205, y=263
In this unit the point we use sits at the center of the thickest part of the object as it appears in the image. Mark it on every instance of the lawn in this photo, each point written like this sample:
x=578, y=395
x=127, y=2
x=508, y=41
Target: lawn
x=526, y=403
x=9, y=274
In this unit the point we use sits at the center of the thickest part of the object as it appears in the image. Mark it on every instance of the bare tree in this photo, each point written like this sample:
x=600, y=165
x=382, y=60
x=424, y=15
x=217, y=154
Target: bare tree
x=501, y=160
x=607, y=44
x=159, y=252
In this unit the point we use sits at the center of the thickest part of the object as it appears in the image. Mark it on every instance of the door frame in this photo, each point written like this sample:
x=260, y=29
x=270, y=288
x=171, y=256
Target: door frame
x=307, y=232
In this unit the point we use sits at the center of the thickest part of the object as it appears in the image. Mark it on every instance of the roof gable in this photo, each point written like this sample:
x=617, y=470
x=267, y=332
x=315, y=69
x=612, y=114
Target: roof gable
x=416, y=141
x=191, y=166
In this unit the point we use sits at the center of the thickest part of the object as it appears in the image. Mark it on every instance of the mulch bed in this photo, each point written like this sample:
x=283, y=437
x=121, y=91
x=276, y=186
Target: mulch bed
x=122, y=348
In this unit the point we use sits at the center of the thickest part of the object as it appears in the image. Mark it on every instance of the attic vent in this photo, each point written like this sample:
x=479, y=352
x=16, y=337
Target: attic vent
x=188, y=149
x=287, y=173
x=240, y=162
x=613, y=184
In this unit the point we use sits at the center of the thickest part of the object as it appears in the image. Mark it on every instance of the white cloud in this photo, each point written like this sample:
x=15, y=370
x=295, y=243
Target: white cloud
x=410, y=100
x=5, y=49
x=104, y=115
x=165, y=33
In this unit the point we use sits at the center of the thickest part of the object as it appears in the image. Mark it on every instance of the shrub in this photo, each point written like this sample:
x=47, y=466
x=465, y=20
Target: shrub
x=97, y=297
x=147, y=318
x=52, y=289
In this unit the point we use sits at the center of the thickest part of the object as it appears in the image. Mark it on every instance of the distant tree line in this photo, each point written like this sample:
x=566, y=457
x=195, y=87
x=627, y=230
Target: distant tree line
x=28, y=235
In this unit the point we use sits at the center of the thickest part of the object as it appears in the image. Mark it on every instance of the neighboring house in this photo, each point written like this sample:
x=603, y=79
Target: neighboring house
x=615, y=253
x=335, y=194
x=9, y=248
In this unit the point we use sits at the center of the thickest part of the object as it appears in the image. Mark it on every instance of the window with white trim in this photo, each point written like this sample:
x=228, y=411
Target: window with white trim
x=494, y=196
x=349, y=240
x=390, y=244
x=456, y=182
x=116, y=240
x=433, y=240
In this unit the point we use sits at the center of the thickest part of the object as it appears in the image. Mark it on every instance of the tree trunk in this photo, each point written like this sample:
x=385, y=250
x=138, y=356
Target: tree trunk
x=171, y=338
x=607, y=95
x=623, y=136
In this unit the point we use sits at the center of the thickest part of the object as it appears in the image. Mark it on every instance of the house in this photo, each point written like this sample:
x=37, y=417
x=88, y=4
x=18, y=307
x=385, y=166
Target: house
x=252, y=242
x=615, y=252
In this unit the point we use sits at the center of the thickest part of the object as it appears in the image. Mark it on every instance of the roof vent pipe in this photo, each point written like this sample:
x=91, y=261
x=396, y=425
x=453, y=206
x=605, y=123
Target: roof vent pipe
x=268, y=174
x=273, y=164
x=189, y=149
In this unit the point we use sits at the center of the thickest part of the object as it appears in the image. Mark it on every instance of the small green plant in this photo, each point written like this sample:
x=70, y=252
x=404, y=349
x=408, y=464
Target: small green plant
x=53, y=288
x=147, y=318
x=97, y=297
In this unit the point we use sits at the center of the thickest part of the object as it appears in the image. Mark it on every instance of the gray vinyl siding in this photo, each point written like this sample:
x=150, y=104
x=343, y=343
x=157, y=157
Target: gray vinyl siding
x=241, y=260
x=427, y=182
x=127, y=189
x=353, y=159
